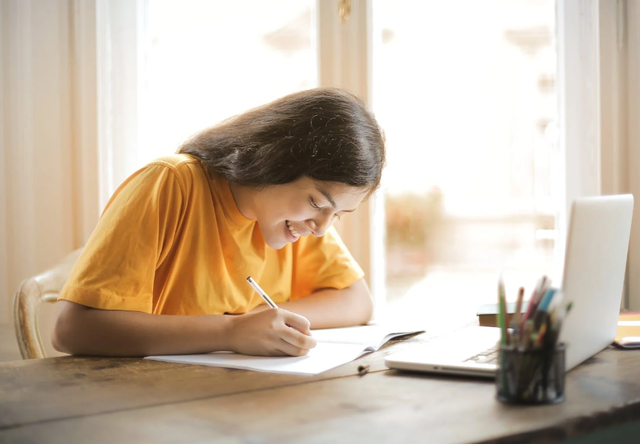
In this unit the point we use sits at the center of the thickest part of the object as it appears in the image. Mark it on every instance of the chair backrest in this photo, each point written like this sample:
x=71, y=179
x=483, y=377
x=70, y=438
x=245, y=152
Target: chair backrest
x=33, y=291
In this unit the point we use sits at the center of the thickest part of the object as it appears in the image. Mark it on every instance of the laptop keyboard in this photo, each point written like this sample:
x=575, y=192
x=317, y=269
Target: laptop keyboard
x=488, y=356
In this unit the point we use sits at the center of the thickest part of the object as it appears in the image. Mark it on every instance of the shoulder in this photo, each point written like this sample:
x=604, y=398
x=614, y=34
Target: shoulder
x=186, y=169
x=180, y=164
x=176, y=161
x=176, y=173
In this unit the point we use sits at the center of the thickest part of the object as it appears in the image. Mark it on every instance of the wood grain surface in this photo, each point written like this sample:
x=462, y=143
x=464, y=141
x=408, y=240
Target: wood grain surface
x=74, y=399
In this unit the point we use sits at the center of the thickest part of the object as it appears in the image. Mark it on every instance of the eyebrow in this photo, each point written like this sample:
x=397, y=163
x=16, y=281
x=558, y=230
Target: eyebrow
x=328, y=196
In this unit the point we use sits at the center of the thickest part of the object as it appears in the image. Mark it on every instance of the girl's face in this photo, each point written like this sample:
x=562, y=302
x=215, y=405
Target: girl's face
x=287, y=212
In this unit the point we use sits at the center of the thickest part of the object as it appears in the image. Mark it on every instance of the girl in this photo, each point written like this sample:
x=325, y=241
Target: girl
x=165, y=270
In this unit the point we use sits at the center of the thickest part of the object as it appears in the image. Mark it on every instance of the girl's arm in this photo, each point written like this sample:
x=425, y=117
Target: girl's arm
x=88, y=331
x=330, y=308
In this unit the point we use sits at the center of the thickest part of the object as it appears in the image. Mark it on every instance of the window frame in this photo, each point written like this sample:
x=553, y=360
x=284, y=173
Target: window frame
x=597, y=62
x=345, y=61
x=630, y=91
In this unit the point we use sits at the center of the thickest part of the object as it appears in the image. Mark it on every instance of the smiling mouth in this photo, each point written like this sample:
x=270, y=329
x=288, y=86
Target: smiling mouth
x=294, y=233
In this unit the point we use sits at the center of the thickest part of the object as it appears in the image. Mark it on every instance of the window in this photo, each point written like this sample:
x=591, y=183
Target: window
x=465, y=91
x=208, y=60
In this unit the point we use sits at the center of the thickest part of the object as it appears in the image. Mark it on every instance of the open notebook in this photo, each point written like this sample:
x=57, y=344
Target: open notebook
x=336, y=346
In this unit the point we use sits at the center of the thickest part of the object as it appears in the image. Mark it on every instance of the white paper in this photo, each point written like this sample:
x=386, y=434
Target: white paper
x=366, y=335
x=335, y=347
x=629, y=323
x=321, y=358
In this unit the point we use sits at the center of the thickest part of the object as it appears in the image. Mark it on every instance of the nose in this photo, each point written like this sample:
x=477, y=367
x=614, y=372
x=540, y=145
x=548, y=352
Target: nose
x=319, y=225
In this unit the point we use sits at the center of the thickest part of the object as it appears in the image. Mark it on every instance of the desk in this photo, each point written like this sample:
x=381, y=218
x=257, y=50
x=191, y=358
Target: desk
x=106, y=400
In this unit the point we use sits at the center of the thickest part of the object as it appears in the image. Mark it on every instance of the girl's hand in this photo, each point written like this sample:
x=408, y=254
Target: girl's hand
x=271, y=332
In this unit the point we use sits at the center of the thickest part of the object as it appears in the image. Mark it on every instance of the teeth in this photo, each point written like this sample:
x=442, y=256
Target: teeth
x=292, y=230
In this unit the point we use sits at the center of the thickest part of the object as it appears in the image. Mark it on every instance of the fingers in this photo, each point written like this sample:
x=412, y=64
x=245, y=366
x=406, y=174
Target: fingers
x=296, y=321
x=285, y=348
x=272, y=332
x=295, y=338
x=298, y=340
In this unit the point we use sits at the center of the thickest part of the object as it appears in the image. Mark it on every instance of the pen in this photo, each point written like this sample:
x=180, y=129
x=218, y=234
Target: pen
x=516, y=331
x=261, y=292
x=538, y=292
x=541, y=315
x=501, y=312
x=540, y=335
x=546, y=300
x=515, y=320
x=527, y=330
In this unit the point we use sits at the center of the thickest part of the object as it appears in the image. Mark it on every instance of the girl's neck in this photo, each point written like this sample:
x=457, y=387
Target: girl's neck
x=244, y=199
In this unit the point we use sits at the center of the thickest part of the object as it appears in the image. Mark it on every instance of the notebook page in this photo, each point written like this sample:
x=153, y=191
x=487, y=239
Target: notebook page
x=323, y=357
x=373, y=335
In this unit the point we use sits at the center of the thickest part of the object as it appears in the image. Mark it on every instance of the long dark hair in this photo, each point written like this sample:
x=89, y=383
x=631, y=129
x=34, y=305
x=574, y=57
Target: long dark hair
x=326, y=134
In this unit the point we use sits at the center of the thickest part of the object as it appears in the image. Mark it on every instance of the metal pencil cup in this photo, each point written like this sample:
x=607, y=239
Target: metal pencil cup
x=531, y=376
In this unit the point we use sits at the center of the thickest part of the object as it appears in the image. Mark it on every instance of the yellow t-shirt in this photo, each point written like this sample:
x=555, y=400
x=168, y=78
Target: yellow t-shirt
x=171, y=240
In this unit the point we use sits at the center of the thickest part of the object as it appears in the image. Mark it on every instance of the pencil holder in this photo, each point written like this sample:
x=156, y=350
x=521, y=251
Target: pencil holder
x=531, y=376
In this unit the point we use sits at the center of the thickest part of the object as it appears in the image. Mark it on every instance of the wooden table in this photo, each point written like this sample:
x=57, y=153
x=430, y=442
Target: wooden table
x=105, y=400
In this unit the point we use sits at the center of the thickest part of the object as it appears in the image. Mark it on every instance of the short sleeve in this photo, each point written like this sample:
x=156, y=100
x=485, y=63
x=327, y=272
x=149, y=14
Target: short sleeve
x=322, y=262
x=117, y=266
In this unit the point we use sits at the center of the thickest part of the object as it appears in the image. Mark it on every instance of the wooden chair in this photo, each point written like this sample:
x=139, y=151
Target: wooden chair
x=33, y=291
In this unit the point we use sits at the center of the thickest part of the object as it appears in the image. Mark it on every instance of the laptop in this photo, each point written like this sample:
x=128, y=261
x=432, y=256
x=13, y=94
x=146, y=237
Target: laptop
x=593, y=279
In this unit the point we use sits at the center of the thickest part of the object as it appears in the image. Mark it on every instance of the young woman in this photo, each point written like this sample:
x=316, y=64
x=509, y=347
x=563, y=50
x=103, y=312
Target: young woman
x=165, y=270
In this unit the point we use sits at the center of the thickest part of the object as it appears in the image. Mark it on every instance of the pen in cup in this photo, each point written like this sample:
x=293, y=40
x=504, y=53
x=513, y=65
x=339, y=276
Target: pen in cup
x=533, y=301
x=502, y=308
x=515, y=319
x=261, y=292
